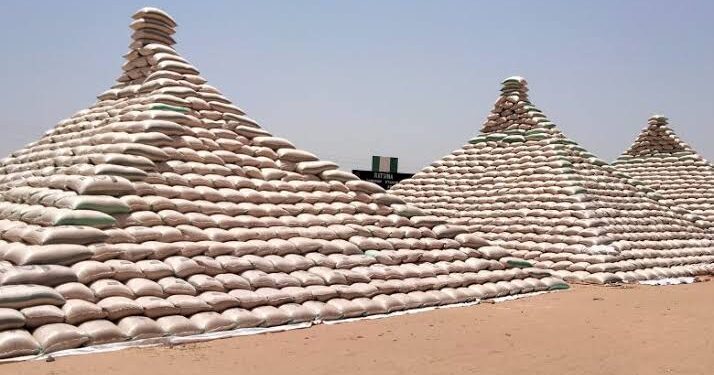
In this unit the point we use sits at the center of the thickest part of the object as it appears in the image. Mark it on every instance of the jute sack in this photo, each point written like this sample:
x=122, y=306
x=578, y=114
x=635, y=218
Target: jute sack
x=178, y=325
x=76, y=290
x=77, y=311
x=110, y=288
x=347, y=308
x=11, y=318
x=59, y=336
x=16, y=343
x=140, y=327
x=369, y=306
x=271, y=316
x=219, y=301
x=213, y=322
x=155, y=307
x=20, y=296
x=49, y=275
x=323, y=311
x=144, y=287
x=40, y=315
x=243, y=318
x=79, y=235
x=102, y=332
x=188, y=305
x=90, y=270
x=173, y=285
x=48, y=254
x=297, y=313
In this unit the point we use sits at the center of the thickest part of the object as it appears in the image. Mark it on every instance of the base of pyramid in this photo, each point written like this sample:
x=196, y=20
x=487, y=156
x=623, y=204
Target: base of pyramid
x=651, y=275
x=204, y=337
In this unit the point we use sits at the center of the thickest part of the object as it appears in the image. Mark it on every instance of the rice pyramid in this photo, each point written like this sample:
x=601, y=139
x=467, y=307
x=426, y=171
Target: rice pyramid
x=528, y=189
x=164, y=210
x=671, y=167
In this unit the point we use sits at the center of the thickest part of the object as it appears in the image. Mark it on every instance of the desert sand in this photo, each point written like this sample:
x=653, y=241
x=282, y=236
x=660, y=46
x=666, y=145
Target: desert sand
x=586, y=330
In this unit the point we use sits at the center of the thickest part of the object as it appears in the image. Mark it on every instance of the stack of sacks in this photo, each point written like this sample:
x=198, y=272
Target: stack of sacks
x=664, y=163
x=538, y=196
x=164, y=210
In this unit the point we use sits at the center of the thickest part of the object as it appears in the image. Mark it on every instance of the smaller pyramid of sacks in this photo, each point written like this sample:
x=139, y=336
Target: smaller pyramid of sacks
x=164, y=210
x=671, y=167
x=528, y=189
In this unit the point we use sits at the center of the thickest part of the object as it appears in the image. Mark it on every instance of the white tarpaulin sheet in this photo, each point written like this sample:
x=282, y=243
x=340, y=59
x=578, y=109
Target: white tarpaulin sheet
x=671, y=281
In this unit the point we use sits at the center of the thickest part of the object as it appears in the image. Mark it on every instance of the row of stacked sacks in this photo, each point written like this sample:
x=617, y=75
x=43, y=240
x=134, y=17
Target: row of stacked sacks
x=541, y=198
x=158, y=218
x=679, y=179
x=606, y=264
x=94, y=302
x=141, y=138
x=661, y=160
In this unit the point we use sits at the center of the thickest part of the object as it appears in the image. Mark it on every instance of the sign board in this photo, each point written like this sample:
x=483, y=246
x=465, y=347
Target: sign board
x=383, y=179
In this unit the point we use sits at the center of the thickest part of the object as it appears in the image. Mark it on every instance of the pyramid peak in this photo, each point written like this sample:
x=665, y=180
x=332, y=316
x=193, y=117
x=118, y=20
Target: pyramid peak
x=515, y=79
x=152, y=26
x=658, y=120
x=155, y=13
x=657, y=138
x=151, y=50
x=514, y=84
x=513, y=110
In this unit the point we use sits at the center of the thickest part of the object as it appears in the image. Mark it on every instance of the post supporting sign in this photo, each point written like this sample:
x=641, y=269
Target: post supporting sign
x=384, y=172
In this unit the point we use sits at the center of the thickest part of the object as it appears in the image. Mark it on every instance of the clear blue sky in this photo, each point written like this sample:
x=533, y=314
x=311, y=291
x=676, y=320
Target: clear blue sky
x=412, y=79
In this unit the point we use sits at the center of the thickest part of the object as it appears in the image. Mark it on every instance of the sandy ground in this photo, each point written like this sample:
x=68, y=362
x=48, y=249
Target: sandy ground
x=587, y=330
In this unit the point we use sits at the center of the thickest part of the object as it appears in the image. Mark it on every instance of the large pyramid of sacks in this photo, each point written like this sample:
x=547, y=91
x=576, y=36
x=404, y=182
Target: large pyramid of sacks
x=164, y=210
x=528, y=189
x=671, y=167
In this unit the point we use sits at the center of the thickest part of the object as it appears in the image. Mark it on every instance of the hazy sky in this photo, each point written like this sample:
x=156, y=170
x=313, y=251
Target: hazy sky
x=412, y=79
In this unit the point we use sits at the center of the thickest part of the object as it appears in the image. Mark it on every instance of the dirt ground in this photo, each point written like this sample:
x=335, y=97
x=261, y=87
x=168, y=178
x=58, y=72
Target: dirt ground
x=587, y=330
